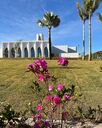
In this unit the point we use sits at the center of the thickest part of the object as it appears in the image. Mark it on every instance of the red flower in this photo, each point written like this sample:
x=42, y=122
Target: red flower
x=39, y=116
x=49, y=98
x=56, y=100
x=39, y=107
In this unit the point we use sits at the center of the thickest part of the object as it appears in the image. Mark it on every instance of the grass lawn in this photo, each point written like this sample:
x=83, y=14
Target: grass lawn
x=15, y=82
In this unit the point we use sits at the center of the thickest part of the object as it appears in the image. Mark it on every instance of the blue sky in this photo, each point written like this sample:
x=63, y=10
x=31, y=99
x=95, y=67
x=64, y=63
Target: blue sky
x=18, y=21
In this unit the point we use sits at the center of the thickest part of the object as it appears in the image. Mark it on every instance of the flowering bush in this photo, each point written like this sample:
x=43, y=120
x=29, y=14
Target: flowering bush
x=59, y=95
x=39, y=68
x=39, y=117
x=55, y=96
x=62, y=61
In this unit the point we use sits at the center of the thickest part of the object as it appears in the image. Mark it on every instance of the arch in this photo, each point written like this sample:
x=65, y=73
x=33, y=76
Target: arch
x=46, y=52
x=25, y=52
x=13, y=52
x=39, y=52
x=6, y=52
x=19, y=52
x=32, y=52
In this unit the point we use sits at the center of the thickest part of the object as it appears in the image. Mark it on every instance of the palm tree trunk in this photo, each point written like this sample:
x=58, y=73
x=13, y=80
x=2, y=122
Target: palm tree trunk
x=49, y=39
x=90, y=41
x=83, y=49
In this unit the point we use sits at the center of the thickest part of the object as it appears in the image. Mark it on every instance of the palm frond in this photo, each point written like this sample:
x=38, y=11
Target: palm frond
x=49, y=20
x=96, y=4
x=91, y=5
x=81, y=12
x=41, y=23
x=100, y=16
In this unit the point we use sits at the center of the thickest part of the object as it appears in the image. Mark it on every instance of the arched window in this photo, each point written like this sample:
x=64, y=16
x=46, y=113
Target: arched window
x=13, y=52
x=6, y=52
x=32, y=52
x=19, y=52
x=39, y=52
x=25, y=52
x=46, y=52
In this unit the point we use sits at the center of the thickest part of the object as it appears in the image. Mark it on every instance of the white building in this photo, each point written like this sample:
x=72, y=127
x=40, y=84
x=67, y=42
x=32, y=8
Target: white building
x=37, y=48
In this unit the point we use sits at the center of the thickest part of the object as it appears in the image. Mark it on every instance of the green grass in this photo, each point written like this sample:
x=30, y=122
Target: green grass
x=15, y=82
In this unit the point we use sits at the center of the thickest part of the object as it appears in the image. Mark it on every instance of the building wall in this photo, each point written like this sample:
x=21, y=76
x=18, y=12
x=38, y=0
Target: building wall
x=1, y=50
x=69, y=55
x=1, y=54
x=64, y=50
x=57, y=49
x=26, y=49
x=37, y=48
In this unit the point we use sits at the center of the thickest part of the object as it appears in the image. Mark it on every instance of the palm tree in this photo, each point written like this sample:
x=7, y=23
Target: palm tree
x=100, y=16
x=49, y=20
x=83, y=17
x=90, y=7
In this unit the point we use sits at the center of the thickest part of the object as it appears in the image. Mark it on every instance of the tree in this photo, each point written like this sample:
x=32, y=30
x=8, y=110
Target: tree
x=16, y=46
x=90, y=7
x=100, y=16
x=83, y=17
x=49, y=20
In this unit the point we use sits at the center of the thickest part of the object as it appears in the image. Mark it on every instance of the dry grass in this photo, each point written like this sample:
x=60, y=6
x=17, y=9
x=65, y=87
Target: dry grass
x=15, y=82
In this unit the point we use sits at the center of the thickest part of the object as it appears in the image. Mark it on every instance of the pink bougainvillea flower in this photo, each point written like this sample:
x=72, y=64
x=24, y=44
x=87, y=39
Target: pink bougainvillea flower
x=39, y=107
x=50, y=87
x=47, y=76
x=49, y=98
x=59, y=87
x=31, y=67
x=42, y=64
x=34, y=68
x=66, y=97
x=56, y=100
x=39, y=116
x=63, y=61
x=40, y=77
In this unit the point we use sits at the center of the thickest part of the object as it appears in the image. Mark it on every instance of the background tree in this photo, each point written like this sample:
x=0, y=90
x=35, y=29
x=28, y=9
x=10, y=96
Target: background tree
x=49, y=20
x=90, y=7
x=16, y=46
x=83, y=17
x=100, y=16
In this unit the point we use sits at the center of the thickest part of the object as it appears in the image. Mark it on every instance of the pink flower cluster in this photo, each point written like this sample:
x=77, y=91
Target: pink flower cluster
x=39, y=68
x=59, y=96
x=39, y=122
x=62, y=61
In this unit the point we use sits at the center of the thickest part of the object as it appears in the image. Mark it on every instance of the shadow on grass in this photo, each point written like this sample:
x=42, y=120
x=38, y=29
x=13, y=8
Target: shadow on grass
x=64, y=68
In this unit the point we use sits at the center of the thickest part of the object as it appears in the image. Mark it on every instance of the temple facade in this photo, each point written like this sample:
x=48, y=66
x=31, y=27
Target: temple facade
x=35, y=49
x=28, y=49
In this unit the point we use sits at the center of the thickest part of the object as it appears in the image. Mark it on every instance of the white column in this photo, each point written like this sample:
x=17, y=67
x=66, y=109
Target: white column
x=42, y=48
x=48, y=50
x=9, y=50
x=29, y=50
x=1, y=51
x=35, y=49
x=22, y=50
